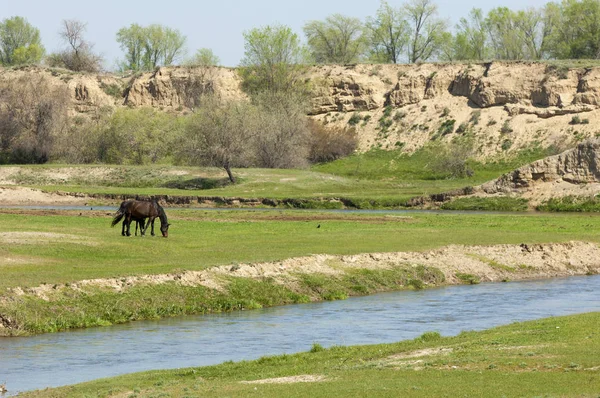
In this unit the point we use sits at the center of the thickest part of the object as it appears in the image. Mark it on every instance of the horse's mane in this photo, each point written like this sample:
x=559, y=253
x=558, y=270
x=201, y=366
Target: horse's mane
x=161, y=212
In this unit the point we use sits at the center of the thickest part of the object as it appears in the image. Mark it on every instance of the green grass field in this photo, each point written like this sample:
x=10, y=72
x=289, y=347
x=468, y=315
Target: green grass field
x=89, y=248
x=554, y=357
x=373, y=179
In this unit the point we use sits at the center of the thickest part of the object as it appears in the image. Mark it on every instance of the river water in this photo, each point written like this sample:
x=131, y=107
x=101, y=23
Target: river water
x=71, y=357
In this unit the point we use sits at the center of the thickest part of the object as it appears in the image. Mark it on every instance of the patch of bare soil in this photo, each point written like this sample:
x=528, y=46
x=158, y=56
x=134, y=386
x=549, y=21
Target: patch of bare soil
x=423, y=353
x=488, y=263
x=15, y=196
x=289, y=380
x=414, y=359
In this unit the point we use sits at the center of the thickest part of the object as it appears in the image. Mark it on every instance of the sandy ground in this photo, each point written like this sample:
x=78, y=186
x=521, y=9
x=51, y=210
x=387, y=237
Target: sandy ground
x=21, y=196
x=489, y=263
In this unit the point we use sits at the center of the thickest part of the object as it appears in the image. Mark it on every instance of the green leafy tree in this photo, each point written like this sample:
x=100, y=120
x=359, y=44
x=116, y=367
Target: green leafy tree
x=203, y=57
x=575, y=32
x=132, y=41
x=426, y=29
x=338, y=39
x=452, y=47
x=20, y=42
x=273, y=60
x=471, y=37
x=173, y=46
x=148, y=47
x=217, y=135
x=388, y=34
x=533, y=32
x=504, y=36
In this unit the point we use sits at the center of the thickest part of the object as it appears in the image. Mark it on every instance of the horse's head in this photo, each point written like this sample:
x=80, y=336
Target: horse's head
x=164, y=229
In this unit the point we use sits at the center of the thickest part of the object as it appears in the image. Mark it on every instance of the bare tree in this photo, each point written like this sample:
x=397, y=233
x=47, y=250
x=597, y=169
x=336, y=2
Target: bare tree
x=280, y=133
x=79, y=55
x=33, y=113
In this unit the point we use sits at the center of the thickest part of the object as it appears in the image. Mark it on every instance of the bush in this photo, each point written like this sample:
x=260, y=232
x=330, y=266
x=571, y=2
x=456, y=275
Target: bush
x=451, y=159
x=506, y=129
x=487, y=204
x=463, y=127
x=280, y=132
x=330, y=143
x=354, y=119
x=506, y=144
x=571, y=204
x=447, y=127
x=475, y=116
x=33, y=115
x=125, y=136
x=578, y=120
x=468, y=279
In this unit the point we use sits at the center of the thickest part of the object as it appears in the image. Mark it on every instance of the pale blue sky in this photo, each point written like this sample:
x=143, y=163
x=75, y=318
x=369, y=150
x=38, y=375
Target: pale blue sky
x=216, y=24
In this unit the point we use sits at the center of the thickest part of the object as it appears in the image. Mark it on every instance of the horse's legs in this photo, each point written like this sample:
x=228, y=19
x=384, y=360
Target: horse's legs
x=152, y=231
x=128, y=219
x=150, y=220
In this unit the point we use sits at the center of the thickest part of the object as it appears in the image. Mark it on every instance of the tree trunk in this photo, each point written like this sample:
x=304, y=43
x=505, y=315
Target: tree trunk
x=229, y=173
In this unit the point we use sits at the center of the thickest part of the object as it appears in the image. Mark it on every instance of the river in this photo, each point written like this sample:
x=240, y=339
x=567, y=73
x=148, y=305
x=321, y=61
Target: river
x=52, y=360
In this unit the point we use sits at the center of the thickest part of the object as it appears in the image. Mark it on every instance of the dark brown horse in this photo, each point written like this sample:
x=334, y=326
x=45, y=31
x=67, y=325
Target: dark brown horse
x=136, y=210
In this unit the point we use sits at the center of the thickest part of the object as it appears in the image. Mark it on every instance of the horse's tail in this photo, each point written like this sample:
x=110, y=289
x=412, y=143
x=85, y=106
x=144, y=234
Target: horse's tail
x=119, y=214
x=117, y=218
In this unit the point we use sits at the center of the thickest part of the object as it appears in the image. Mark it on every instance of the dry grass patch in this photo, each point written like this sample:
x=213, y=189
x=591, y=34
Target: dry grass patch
x=289, y=380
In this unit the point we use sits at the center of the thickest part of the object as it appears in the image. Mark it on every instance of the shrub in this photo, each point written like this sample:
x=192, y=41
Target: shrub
x=430, y=336
x=578, y=120
x=475, y=116
x=33, y=115
x=468, y=278
x=447, y=127
x=387, y=111
x=316, y=347
x=354, y=119
x=330, y=143
x=399, y=115
x=280, y=132
x=506, y=129
x=445, y=112
x=487, y=204
x=463, y=127
x=114, y=90
x=506, y=144
x=451, y=160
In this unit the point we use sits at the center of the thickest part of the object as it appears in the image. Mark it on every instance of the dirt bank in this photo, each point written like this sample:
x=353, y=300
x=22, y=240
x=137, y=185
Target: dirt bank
x=485, y=263
x=101, y=302
x=21, y=196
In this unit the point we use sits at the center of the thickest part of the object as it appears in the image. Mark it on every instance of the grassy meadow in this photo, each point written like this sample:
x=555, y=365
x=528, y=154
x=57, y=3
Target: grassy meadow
x=60, y=248
x=554, y=357
x=375, y=179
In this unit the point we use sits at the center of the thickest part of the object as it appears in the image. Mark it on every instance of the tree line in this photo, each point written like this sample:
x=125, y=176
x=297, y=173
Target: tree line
x=409, y=32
